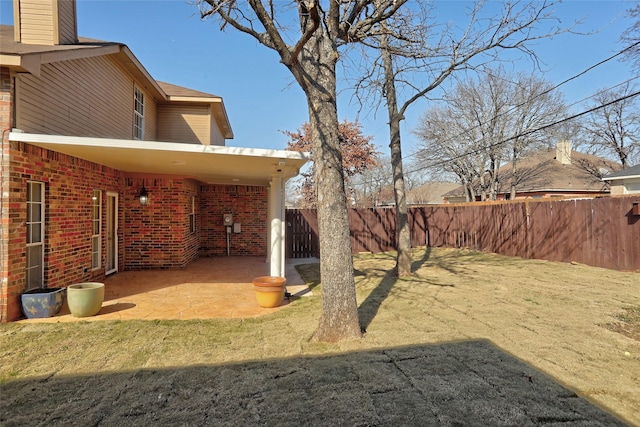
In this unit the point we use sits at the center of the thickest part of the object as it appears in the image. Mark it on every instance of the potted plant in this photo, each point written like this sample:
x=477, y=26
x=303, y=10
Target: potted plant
x=85, y=299
x=269, y=290
x=42, y=302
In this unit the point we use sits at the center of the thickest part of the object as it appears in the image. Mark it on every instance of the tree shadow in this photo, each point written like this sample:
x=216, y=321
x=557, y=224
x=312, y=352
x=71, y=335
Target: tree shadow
x=470, y=382
x=369, y=308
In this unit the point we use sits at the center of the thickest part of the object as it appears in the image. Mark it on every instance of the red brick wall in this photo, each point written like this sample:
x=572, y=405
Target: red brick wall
x=248, y=204
x=6, y=122
x=158, y=235
x=69, y=183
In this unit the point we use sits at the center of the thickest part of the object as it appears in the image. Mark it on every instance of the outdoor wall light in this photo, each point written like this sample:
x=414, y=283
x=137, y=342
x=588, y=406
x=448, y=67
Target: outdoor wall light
x=143, y=197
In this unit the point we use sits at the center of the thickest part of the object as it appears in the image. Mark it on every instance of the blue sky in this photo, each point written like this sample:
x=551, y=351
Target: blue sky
x=262, y=98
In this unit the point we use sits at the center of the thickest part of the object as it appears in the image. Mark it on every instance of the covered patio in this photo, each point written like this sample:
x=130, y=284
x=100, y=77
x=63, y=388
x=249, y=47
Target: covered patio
x=218, y=287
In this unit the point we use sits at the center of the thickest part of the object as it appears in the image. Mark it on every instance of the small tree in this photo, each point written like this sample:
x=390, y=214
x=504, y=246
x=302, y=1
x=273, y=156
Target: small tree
x=358, y=155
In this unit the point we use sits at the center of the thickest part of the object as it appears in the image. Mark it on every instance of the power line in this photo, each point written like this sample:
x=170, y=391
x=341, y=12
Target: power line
x=546, y=92
x=529, y=132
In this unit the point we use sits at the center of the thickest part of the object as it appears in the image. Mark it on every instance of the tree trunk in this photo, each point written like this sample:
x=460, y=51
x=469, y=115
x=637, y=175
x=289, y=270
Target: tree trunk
x=512, y=193
x=403, y=234
x=339, y=319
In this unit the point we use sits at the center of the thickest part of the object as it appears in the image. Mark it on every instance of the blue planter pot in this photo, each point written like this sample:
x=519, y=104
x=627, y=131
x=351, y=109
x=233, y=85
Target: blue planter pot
x=39, y=303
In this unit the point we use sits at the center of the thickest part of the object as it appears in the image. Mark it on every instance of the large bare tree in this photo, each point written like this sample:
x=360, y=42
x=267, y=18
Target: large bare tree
x=307, y=35
x=614, y=130
x=415, y=54
x=486, y=123
x=631, y=37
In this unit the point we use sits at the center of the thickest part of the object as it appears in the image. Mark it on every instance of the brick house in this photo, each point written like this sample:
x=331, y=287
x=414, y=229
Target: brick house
x=626, y=181
x=89, y=190
x=556, y=172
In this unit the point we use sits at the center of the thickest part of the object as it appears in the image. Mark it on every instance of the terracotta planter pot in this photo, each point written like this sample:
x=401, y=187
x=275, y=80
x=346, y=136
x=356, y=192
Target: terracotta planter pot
x=39, y=303
x=269, y=290
x=85, y=299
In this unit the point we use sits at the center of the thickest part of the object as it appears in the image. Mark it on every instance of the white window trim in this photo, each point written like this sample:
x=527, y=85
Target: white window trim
x=96, y=197
x=138, y=100
x=42, y=221
x=192, y=216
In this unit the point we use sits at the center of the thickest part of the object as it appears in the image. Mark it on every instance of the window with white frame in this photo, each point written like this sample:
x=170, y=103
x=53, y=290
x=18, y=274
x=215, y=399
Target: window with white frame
x=96, y=229
x=192, y=216
x=138, y=114
x=35, y=235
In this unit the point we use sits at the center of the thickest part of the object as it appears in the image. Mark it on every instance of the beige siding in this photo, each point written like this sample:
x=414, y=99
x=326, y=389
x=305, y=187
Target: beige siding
x=216, y=135
x=150, y=117
x=67, y=31
x=36, y=21
x=86, y=97
x=177, y=123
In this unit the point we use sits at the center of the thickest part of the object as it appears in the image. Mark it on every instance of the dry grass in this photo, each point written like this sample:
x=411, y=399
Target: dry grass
x=628, y=323
x=570, y=321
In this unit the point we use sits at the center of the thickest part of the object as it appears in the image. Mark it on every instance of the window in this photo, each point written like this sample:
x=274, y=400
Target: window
x=96, y=229
x=138, y=115
x=35, y=235
x=192, y=216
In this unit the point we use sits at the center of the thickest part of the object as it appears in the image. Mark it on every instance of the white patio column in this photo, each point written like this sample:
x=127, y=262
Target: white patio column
x=269, y=217
x=276, y=229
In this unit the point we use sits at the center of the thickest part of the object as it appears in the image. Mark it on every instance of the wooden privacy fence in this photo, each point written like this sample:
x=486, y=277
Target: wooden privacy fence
x=601, y=232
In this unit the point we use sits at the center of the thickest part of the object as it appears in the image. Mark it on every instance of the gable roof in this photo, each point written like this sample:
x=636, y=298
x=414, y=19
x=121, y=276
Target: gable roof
x=542, y=172
x=632, y=172
x=430, y=193
x=175, y=91
x=179, y=94
x=26, y=57
x=30, y=57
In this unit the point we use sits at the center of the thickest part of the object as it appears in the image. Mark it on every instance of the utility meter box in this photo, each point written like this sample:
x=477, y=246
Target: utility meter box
x=227, y=219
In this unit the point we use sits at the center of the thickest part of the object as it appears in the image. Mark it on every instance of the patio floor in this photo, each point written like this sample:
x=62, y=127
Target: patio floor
x=207, y=288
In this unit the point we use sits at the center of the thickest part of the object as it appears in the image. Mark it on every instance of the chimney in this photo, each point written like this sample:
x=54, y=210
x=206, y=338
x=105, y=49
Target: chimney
x=47, y=22
x=563, y=152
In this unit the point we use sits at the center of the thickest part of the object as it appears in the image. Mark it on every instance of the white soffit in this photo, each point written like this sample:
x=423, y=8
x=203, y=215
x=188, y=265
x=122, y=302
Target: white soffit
x=206, y=163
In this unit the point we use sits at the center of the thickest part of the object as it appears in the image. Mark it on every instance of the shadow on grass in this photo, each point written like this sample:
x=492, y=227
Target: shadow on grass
x=310, y=273
x=371, y=305
x=459, y=383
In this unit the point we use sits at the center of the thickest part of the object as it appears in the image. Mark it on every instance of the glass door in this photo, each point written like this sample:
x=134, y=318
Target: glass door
x=112, y=233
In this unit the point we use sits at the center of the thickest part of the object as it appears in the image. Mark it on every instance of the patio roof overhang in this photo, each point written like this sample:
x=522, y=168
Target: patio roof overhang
x=205, y=163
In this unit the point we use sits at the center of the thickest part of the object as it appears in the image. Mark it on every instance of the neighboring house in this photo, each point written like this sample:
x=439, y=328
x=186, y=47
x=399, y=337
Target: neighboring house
x=426, y=194
x=558, y=172
x=625, y=181
x=430, y=193
x=87, y=188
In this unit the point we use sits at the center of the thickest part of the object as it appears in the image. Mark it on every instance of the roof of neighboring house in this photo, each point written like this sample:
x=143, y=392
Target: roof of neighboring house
x=30, y=57
x=541, y=172
x=632, y=172
x=430, y=193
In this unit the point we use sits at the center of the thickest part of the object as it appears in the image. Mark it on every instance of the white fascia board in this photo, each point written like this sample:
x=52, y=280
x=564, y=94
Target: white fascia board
x=156, y=145
x=617, y=178
x=125, y=49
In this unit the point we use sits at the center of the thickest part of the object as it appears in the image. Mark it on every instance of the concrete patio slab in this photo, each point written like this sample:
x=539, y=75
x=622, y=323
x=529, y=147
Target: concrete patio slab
x=207, y=288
